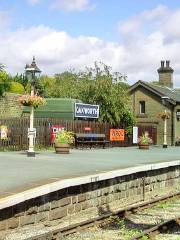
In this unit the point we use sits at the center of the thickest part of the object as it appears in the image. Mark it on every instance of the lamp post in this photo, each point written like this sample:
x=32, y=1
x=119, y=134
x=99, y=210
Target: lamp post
x=32, y=72
x=164, y=102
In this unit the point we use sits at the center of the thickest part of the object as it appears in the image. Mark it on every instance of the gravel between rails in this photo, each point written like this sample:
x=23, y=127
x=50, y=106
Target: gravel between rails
x=134, y=223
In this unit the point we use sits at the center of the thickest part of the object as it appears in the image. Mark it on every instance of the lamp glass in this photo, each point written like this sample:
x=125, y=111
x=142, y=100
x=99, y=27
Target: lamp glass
x=29, y=76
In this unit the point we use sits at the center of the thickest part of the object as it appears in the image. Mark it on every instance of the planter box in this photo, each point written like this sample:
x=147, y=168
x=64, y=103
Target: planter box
x=62, y=148
x=143, y=146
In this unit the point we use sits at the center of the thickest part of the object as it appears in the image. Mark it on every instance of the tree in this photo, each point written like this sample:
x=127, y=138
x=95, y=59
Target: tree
x=99, y=85
x=21, y=79
x=2, y=67
x=4, y=82
x=96, y=85
x=46, y=86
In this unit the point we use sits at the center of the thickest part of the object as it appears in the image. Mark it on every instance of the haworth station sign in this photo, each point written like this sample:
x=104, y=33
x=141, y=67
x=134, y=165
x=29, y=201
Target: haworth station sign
x=86, y=110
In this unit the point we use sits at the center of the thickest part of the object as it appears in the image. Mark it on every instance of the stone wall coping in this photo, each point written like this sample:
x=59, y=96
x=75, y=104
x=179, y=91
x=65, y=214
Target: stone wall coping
x=65, y=183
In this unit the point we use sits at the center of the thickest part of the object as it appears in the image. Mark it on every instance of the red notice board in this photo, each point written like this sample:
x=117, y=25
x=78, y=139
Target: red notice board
x=117, y=134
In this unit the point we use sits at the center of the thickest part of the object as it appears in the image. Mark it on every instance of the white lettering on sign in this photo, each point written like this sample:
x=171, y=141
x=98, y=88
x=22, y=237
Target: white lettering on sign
x=86, y=110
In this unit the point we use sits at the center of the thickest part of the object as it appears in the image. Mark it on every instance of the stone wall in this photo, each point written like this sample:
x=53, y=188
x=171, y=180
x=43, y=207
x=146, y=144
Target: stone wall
x=9, y=106
x=100, y=196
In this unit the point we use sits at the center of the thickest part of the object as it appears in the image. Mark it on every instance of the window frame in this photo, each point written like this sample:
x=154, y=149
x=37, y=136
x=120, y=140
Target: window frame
x=142, y=106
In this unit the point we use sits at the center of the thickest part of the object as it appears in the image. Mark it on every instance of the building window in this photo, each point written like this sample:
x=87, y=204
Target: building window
x=142, y=107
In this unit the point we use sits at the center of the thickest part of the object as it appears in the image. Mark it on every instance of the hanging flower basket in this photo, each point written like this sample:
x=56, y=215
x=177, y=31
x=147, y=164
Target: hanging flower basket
x=28, y=100
x=164, y=115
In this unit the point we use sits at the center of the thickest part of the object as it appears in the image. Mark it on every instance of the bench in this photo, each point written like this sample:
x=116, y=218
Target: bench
x=90, y=139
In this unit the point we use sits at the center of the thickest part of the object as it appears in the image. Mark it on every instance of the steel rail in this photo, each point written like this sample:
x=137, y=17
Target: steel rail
x=159, y=228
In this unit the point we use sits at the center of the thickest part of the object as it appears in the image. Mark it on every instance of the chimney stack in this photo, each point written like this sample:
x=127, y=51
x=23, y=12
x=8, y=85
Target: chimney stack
x=166, y=74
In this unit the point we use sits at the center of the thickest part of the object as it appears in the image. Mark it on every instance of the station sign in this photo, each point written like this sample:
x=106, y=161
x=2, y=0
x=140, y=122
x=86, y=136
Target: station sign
x=117, y=134
x=86, y=110
x=32, y=132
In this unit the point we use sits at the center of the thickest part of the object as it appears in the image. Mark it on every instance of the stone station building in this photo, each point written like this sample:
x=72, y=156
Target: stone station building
x=148, y=100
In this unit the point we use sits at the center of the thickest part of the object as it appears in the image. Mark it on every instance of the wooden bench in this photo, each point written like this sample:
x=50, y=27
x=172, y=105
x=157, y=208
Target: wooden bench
x=90, y=139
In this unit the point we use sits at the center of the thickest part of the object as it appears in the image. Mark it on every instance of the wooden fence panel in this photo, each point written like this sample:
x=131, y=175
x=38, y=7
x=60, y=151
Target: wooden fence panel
x=18, y=128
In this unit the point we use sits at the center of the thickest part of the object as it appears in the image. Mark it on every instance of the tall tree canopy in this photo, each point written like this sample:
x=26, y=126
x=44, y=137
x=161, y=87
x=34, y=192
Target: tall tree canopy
x=101, y=86
x=96, y=85
x=2, y=67
x=4, y=80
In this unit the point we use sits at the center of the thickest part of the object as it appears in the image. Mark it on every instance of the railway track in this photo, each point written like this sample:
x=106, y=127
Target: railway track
x=143, y=230
x=159, y=228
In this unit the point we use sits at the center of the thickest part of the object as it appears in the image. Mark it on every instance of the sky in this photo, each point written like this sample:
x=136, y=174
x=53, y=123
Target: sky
x=131, y=36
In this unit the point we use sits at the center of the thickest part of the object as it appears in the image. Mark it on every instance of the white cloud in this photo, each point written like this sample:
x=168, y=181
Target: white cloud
x=72, y=5
x=145, y=40
x=149, y=37
x=34, y=2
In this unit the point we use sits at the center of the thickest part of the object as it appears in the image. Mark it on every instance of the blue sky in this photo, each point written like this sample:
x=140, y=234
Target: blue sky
x=132, y=36
x=100, y=21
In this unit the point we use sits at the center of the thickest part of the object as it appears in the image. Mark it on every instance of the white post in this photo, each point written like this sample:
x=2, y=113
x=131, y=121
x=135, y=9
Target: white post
x=31, y=152
x=165, y=131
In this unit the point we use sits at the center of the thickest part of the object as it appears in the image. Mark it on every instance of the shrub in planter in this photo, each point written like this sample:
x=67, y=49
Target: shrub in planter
x=63, y=140
x=144, y=141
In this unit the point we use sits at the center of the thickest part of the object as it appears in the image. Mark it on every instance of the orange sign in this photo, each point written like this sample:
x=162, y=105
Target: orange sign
x=117, y=134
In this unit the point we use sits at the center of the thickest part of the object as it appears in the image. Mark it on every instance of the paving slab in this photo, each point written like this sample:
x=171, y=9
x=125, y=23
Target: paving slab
x=19, y=172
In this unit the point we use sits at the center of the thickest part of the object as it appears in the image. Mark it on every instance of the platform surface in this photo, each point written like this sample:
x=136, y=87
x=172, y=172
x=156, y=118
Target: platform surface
x=19, y=172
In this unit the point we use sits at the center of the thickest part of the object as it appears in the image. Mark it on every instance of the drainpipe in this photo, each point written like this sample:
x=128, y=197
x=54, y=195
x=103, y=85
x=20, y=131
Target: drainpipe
x=172, y=126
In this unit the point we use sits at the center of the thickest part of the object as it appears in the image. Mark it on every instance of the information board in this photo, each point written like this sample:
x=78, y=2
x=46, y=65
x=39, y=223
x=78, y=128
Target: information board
x=135, y=135
x=117, y=134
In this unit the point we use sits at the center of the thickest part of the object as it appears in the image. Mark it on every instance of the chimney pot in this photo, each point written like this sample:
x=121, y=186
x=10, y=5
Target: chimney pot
x=167, y=63
x=162, y=64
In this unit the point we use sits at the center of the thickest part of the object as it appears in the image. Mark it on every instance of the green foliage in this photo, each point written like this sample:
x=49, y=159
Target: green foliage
x=21, y=79
x=97, y=85
x=47, y=86
x=2, y=67
x=16, y=87
x=64, y=137
x=145, y=238
x=4, y=82
x=126, y=232
x=144, y=139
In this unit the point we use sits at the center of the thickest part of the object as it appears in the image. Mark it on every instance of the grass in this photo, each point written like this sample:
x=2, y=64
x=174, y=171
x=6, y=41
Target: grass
x=167, y=204
x=126, y=232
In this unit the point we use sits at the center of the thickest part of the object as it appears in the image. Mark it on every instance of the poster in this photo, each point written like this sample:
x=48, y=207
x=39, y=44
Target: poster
x=3, y=132
x=117, y=134
x=135, y=135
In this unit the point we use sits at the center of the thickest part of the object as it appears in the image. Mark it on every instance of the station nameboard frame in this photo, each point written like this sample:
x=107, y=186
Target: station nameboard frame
x=86, y=110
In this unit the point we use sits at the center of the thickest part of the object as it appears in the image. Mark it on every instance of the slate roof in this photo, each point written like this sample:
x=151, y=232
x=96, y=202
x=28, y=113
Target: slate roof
x=161, y=91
